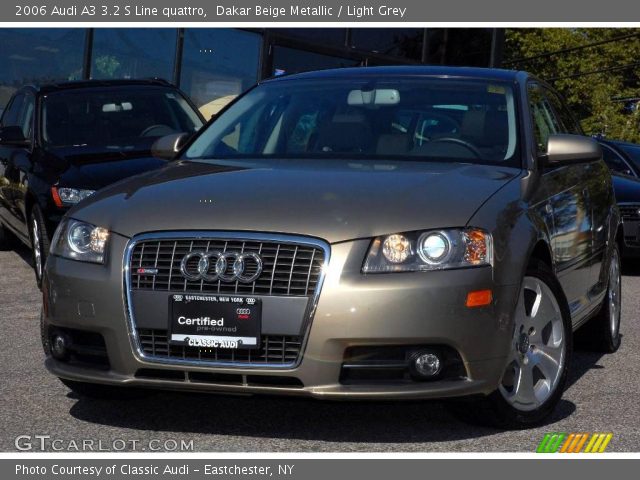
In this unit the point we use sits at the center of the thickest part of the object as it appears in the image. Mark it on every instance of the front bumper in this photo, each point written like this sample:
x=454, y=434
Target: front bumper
x=402, y=309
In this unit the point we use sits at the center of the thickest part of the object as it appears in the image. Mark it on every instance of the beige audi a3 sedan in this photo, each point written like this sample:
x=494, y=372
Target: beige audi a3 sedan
x=376, y=233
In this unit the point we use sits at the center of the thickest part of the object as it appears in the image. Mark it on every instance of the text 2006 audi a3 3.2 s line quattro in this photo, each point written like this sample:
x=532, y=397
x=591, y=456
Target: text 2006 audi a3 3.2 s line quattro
x=376, y=233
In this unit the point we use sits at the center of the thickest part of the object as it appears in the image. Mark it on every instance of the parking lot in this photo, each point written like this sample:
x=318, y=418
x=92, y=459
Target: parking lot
x=602, y=397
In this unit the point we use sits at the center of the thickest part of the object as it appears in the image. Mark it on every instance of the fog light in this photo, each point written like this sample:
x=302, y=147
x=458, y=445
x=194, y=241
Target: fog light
x=60, y=346
x=424, y=365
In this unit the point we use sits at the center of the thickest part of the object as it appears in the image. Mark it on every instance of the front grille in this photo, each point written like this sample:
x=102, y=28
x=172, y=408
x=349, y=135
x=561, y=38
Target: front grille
x=288, y=269
x=275, y=349
x=630, y=211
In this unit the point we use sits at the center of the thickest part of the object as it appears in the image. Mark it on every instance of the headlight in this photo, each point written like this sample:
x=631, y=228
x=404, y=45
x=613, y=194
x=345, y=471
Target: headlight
x=80, y=241
x=429, y=250
x=64, y=196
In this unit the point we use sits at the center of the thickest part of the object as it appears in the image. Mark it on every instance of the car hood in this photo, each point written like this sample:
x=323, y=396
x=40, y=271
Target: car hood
x=627, y=188
x=94, y=168
x=333, y=200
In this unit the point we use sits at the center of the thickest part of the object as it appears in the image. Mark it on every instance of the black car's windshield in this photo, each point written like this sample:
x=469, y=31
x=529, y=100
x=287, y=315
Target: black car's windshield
x=633, y=151
x=115, y=116
x=404, y=118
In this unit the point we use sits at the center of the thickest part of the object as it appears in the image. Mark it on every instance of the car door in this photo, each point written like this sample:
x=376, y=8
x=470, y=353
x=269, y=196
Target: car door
x=9, y=118
x=565, y=201
x=16, y=163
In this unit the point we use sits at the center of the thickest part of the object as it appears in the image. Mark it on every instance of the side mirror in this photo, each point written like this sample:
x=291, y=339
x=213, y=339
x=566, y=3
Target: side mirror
x=564, y=149
x=168, y=146
x=13, y=135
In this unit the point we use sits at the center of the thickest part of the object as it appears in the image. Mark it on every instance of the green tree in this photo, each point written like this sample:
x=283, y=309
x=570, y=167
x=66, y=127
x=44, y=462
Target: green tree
x=107, y=66
x=592, y=79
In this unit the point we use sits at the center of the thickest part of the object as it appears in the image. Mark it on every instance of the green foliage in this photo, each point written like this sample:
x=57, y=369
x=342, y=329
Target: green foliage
x=107, y=66
x=590, y=94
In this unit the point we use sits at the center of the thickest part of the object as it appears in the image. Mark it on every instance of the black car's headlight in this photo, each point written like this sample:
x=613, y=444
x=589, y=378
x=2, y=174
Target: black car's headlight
x=80, y=241
x=66, y=197
x=429, y=250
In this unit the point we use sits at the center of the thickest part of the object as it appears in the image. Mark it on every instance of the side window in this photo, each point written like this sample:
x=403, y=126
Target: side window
x=12, y=113
x=25, y=120
x=569, y=124
x=615, y=162
x=545, y=122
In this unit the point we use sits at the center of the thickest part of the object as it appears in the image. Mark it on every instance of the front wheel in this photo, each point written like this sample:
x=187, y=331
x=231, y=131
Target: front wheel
x=536, y=369
x=40, y=243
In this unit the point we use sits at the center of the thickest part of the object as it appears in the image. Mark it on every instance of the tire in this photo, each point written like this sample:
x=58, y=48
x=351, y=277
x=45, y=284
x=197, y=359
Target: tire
x=602, y=332
x=538, y=361
x=40, y=243
x=103, y=392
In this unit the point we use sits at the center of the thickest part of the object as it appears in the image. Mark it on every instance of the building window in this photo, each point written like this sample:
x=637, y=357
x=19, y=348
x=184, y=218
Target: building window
x=133, y=53
x=37, y=56
x=470, y=47
x=320, y=36
x=292, y=60
x=218, y=65
x=397, y=42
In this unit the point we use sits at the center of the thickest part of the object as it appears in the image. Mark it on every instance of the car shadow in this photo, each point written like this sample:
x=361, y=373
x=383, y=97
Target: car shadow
x=24, y=253
x=289, y=418
x=631, y=267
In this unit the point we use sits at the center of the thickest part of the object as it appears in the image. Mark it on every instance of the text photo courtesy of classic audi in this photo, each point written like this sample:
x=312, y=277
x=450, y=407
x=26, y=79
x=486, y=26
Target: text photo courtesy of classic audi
x=383, y=233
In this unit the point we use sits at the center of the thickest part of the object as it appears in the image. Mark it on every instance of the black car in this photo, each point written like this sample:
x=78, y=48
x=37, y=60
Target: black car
x=60, y=143
x=623, y=159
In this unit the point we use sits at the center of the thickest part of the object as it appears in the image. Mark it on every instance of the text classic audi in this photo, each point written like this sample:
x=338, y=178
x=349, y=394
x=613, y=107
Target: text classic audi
x=377, y=233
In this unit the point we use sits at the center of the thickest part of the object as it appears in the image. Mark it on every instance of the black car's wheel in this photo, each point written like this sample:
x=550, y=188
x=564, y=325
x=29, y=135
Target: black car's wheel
x=602, y=332
x=536, y=369
x=40, y=243
x=107, y=392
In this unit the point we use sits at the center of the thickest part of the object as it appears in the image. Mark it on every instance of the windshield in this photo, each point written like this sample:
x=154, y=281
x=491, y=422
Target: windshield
x=410, y=119
x=633, y=151
x=115, y=117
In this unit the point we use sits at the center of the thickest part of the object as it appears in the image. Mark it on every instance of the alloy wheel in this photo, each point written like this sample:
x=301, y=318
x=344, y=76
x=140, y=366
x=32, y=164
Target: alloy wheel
x=614, y=294
x=37, y=249
x=538, y=348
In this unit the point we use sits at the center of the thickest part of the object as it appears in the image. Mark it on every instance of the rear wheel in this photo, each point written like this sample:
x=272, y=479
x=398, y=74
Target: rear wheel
x=40, y=243
x=536, y=369
x=602, y=332
x=107, y=392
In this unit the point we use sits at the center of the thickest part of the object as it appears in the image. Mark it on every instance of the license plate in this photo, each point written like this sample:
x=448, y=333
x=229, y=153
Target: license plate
x=215, y=321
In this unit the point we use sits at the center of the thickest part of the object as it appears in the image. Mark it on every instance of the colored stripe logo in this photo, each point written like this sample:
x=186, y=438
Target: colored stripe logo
x=574, y=443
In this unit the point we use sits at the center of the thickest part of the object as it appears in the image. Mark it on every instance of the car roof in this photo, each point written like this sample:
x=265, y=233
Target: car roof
x=81, y=84
x=409, y=71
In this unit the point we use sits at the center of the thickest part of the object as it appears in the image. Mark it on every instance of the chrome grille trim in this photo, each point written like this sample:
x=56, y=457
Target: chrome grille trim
x=629, y=211
x=289, y=269
x=276, y=349
x=226, y=236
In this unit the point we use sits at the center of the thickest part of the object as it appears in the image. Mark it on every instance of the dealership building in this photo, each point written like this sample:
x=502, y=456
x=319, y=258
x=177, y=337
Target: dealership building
x=213, y=65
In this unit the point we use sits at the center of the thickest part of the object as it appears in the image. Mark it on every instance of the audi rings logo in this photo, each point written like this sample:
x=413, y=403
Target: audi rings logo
x=212, y=266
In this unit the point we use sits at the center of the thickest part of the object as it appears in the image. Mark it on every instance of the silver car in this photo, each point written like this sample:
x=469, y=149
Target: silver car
x=377, y=233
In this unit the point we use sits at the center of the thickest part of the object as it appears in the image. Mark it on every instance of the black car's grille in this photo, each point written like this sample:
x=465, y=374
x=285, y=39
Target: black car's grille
x=630, y=212
x=274, y=350
x=288, y=269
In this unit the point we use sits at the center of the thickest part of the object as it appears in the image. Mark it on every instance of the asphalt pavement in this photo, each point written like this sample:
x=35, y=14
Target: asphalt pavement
x=603, y=396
